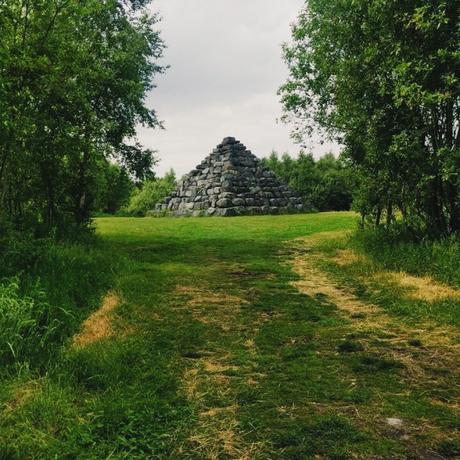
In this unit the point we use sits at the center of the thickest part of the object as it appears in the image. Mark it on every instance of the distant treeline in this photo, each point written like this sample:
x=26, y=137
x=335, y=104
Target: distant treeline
x=326, y=184
x=118, y=194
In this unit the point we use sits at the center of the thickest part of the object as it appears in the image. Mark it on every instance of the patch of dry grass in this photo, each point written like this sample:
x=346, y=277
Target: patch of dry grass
x=346, y=257
x=200, y=297
x=99, y=325
x=217, y=432
x=212, y=307
x=422, y=288
x=382, y=333
x=21, y=395
x=313, y=282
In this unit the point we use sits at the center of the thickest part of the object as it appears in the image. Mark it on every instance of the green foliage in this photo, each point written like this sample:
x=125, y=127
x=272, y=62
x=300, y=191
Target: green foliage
x=47, y=289
x=73, y=80
x=27, y=325
x=299, y=173
x=326, y=185
x=150, y=193
x=113, y=190
x=396, y=248
x=383, y=77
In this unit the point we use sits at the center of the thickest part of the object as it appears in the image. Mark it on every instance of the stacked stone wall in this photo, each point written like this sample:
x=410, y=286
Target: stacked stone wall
x=231, y=181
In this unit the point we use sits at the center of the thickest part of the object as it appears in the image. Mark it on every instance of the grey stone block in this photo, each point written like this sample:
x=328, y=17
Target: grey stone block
x=238, y=202
x=224, y=203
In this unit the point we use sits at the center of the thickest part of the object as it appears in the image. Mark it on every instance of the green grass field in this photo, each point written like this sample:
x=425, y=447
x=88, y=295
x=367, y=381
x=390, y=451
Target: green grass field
x=270, y=337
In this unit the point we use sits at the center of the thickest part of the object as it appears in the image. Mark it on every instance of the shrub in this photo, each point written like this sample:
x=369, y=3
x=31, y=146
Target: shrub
x=152, y=192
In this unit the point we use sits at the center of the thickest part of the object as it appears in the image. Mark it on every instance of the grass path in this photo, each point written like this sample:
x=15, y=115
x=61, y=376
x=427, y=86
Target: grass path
x=245, y=338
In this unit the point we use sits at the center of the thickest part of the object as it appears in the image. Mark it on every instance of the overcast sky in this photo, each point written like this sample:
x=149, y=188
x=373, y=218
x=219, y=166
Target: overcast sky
x=226, y=66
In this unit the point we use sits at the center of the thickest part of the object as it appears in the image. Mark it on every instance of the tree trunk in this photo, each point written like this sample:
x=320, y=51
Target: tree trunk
x=389, y=213
x=378, y=216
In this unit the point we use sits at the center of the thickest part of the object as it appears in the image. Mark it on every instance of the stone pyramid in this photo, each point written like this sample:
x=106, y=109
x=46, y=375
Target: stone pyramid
x=231, y=181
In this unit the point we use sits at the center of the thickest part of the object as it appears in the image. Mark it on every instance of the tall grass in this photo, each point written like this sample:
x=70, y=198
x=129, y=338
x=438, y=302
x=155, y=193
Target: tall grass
x=395, y=249
x=46, y=289
x=28, y=324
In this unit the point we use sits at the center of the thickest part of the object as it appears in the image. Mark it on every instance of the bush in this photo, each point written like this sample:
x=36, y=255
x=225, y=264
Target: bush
x=151, y=193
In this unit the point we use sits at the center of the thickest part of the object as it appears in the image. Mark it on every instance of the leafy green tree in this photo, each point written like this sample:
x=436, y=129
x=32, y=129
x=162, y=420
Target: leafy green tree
x=335, y=186
x=383, y=76
x=326, y=185
x=150, y=193
x=298, y=173
x=74, y=75
x=114, y=188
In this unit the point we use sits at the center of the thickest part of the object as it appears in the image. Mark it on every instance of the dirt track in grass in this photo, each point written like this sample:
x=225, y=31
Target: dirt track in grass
x=381, y=333
x=246, y=338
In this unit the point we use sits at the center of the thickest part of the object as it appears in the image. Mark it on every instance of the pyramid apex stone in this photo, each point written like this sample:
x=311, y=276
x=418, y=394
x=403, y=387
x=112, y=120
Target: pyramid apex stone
x=231, y=181
x=229, y=141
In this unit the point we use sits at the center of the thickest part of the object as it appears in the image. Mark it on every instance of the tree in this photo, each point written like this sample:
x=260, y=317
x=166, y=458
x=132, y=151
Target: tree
x=114, y=188
x=384, y=77
x=326, y=185
x=74, y=75
x=335, y=186
x=150, y=193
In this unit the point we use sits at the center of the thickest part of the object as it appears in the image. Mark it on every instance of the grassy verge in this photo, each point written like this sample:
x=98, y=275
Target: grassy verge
x=233, y=338
x=400, y=339
x=47, y=289
x=391, y=250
